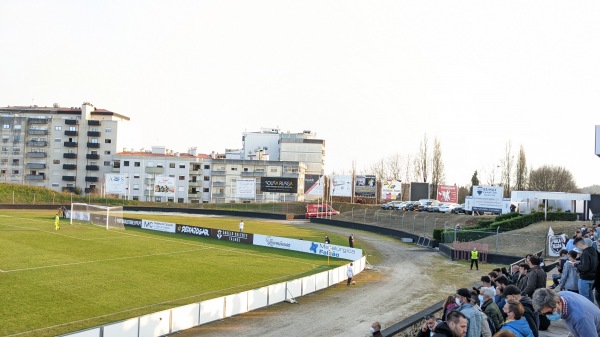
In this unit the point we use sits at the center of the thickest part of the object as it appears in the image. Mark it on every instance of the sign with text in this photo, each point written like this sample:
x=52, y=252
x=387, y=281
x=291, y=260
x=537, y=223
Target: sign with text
x=447, y=193
x=391, y=189
x=158, y=226
x=311, y=247
x=488, y=192
x=164, y=186
x=246, y=188
x=341, y=186
x=279, y=184
x=223, y=234
x=193, y=230
x=115, y=183
x=365, y=186
x=313, y=184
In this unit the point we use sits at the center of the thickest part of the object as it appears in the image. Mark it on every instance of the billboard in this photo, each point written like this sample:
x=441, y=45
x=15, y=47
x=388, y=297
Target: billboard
x=391, y=189
x=246, y=188
x=313, y=184
x=447, y=193
x=279, y=184
x=311, y=247
x=164, y=186
x=419, y=191
x=488, y=192
x=115, y=183
x=365, y=186
x=341, y=186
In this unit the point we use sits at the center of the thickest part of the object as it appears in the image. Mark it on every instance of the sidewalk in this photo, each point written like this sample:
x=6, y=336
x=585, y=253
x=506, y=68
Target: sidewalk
x=556, y=329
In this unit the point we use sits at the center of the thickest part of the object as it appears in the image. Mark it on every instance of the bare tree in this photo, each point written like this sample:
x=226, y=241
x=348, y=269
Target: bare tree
x=437, y=168
x=379, y=169
x=521, y=171
x=491, y=175
x=422, y=160
x=507, y=164
x=407, y=169
x=552, y=179
x=394, y=166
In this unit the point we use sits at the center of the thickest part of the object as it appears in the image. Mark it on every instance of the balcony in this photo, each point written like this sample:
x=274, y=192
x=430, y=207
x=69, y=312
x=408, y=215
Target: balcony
x=35, y=166
x=37, y=132
x=34, y=177
x=93, y=133
x=70, y=133
x=194, y=183
x=91, y=179
x=155, y=170
x=70, y=155
x=90, y=122
x=69, y=167
x=218, y=183
x=92, y=156
x=38, y=120
x=36, y=154
x=70, y=144
x=92, y=167
x=93, y=145
x=37, y=143
x=68, y=178
x=71, y=121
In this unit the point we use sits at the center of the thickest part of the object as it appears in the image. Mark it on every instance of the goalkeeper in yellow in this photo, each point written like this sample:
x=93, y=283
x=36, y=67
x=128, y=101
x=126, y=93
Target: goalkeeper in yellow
x=56, y=220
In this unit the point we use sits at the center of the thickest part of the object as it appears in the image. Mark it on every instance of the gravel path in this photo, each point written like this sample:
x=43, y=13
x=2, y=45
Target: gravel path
x=406, y=281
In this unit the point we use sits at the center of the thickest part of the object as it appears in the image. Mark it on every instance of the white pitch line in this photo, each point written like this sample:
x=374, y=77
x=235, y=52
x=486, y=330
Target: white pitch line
x=98, y=261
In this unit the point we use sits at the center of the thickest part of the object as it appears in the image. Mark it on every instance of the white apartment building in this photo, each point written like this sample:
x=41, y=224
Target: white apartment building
x=57, y=148
x=190, y=171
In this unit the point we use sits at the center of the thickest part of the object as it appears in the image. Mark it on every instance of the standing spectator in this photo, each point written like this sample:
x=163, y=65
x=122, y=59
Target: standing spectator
x=523, y=273
x=570, y=278
x=64, y=210
x=455, y=325
x=490, y=308
x=241, y=226
x=327, y=241
x=448, y=305
x=515, y=274
x=501, y=283
x=514, y=319
x=376, y=329
x=477, y=323
x=351, y=241
x=486, y=281
x=350, y=273
x=513, y=293
x=570, y=244
x=536, y=277
x=587, y=265
x=474, y=258
x=561, y=263
x=581, y=317
x=427, y=328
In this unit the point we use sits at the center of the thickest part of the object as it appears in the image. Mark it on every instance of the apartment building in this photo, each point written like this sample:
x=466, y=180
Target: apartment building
x=56, y=147
x=187, y=173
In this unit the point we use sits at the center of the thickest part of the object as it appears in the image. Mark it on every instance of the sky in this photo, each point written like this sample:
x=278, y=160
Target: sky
x=371, y=78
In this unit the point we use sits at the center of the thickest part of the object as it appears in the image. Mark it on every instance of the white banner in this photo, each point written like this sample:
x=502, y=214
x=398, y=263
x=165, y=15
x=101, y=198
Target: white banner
x=158, y=226
x=164, y=186
x=555, y=243
x=311, y=247
x=488, y=192
x=246, y=188
x=391, y=189
x=115, y=183
x=341, y=186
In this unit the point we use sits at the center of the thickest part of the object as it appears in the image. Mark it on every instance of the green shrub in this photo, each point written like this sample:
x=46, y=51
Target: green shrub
x=484, y=223
x=438, y=234
x=503, y=217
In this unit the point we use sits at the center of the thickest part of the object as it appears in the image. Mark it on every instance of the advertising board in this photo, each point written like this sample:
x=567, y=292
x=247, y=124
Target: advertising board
x=313, y=184
x=365, y=186
x=223, y=234
x=311, y=247
x=245, y=188
x=192, y=230
x=164, y=186
x=115, y=183
x=158, y=226
x=279, y=184
x=447, y=193
x=391, y=189
x=341, y=186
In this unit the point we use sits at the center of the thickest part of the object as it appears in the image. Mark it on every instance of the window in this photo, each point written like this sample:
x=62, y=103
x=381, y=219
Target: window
x=170, y=199
x=245, y=169
x=18, y=127
x=15, y=172
x=157, y=199
x=94, y=152
x=94, y=141
x=54, y=184
x=107, y=141
x=56, y=161
x=182, y=166
x=205, y=190
x=181, y=177
x=135, y=197
x=6, y=126
x=57, y=140
x=72, y=128
x=136, y=175
x=136, y=187
x=171, y=165
x=206, y=178
x=58, y=128
x=108, y=130
x=180, y=200
x=136, y=164
x=107, y=163
x=234, y=168
x=207, y=167
x=106, y=152
x=274, y=170
x=126, y=163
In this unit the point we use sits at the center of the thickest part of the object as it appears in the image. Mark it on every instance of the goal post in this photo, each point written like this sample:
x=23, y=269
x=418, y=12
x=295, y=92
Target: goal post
x=110, y=217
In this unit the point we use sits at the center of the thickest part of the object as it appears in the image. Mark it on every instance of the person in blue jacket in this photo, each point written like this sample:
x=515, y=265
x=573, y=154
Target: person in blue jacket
x=581, y=316
x=515, y=322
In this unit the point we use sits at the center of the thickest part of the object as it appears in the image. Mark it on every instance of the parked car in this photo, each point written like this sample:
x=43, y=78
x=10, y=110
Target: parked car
x=459, y=209
x=401, y=206
x=423, y=204
x=448, y=207
x=409, y=206
x=434, y=208
x=320, y=210
x=392, y=204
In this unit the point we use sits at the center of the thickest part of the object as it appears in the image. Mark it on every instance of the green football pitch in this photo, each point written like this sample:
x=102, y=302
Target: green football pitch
x=55, y=282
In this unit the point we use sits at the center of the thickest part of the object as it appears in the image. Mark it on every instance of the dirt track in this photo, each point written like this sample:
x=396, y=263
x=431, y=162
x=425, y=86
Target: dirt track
x=408, y=279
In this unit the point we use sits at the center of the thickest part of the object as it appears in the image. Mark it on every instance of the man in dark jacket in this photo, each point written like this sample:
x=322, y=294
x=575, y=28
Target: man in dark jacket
x=587, y=265
x=536, y=278
x=532, y=317
x=454, y=326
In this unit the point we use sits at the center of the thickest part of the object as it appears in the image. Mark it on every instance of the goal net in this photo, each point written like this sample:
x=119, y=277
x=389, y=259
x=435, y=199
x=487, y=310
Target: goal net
x=105, y=216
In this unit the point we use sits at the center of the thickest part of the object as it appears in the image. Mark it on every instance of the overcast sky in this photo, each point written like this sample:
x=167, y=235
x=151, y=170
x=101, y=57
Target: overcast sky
x=369, y=77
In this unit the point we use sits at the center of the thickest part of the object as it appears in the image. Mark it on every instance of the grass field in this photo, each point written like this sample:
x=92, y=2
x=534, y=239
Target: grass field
x=54, y=282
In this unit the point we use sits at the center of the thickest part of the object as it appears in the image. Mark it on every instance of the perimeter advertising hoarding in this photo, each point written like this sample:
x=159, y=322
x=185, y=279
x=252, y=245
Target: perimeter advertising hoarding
x=193, y=230
x=132, y=222
x=164, y=186
x=223, y=234
x=365, y=186
x=115, y=183
x=447, y=193
x=313, y=184
x=311, y=247
x=391, y=189
x=341, y=186
x=246, y=188
x=279, y=184
x=158, y=226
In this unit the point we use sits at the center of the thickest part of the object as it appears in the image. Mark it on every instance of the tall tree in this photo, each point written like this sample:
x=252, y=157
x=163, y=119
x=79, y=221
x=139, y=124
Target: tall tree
x=552, y=179
x=521, y=171
x=422, y=160
x=507, y=168
x=437, y=168
x=379, y=169
x=394, y=166
x=474, y=181
x=463, y=191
